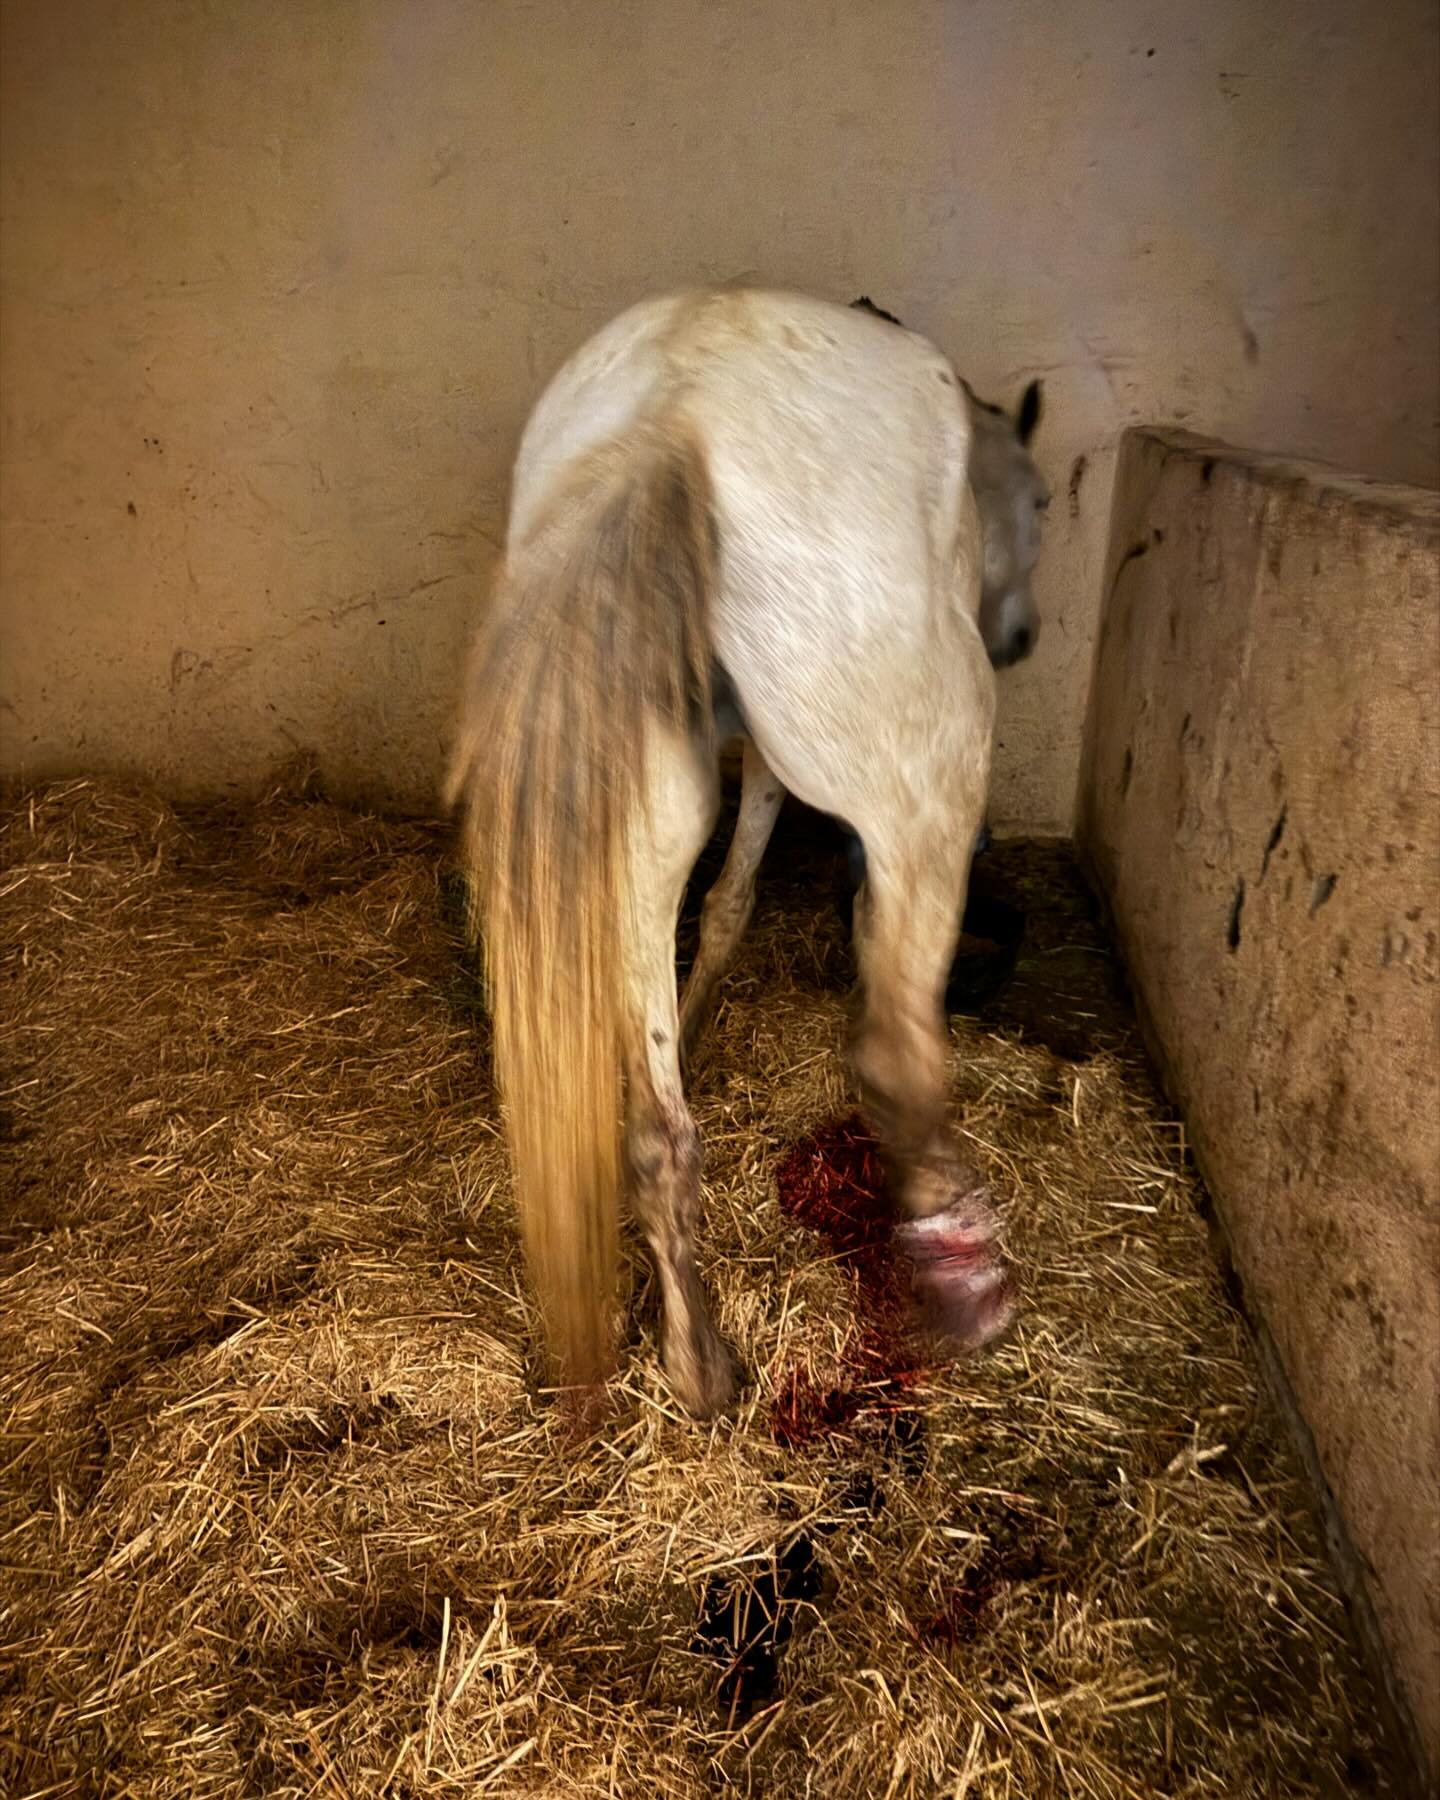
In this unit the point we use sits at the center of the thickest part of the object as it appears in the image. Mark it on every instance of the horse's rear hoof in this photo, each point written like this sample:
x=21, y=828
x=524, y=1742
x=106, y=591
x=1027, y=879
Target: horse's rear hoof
x=707, y=1379
x=960, y=1280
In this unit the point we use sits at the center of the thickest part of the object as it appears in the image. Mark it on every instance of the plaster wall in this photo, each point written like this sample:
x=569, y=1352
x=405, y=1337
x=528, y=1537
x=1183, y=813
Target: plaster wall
x=281, y=280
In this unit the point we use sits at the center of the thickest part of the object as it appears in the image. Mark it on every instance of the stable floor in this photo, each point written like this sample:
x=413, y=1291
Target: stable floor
x=284, y=1512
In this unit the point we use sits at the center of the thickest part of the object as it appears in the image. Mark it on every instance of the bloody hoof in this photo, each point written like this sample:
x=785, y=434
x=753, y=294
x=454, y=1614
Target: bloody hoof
x=959, y=1277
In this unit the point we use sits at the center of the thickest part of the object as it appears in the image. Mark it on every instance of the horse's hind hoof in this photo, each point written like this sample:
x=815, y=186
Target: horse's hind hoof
x=707, y=1380
x=960, y=1280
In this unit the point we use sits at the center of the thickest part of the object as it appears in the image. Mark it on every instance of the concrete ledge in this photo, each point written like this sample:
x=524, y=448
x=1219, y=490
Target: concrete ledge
x=1260, y=807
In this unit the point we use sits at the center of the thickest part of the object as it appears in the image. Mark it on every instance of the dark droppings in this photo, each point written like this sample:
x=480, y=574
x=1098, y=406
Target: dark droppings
x=750, y=1622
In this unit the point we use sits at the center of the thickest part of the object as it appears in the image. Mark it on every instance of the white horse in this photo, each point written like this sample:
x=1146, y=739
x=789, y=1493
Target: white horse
x=754, y=514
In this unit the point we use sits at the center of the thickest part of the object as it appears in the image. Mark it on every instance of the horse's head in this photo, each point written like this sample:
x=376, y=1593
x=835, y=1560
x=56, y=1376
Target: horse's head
x=1011, y=495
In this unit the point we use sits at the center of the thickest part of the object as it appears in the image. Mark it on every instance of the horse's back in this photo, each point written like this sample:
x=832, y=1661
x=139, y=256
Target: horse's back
x=837, y=446
x=797, y=402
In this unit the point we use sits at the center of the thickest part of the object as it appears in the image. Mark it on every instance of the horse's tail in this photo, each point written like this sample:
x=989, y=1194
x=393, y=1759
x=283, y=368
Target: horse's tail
x=595, y=640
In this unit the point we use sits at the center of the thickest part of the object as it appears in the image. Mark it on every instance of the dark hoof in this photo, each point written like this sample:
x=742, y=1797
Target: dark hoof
x=961, y=1284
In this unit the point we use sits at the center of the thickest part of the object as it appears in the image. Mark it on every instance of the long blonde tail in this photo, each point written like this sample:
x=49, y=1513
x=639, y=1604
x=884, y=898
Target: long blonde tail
x=596, y=635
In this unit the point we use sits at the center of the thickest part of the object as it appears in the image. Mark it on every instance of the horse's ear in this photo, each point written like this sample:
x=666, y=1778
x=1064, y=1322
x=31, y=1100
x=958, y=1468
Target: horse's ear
x=1027, y=416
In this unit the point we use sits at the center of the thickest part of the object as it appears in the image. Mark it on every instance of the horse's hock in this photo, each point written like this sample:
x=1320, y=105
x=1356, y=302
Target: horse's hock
x=1260, y=806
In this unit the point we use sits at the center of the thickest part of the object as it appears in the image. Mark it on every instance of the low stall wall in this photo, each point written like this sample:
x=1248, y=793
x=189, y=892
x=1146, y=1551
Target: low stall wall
x=1260, y=809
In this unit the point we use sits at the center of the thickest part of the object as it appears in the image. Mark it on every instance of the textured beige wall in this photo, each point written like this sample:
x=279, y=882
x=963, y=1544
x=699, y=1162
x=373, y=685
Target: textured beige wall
x=282, y=277
x=1261, y=805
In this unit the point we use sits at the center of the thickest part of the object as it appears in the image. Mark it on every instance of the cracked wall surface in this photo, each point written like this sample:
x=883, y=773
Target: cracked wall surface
x=282, y=280
x=1260, y=804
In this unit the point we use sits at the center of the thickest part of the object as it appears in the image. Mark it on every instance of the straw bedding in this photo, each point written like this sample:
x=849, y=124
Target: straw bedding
x=284, y=1512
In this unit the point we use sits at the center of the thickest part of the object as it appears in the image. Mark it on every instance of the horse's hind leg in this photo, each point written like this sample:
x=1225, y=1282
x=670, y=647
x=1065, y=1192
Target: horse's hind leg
x=906, y=925
x=730, y=902
x=661, y=1143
